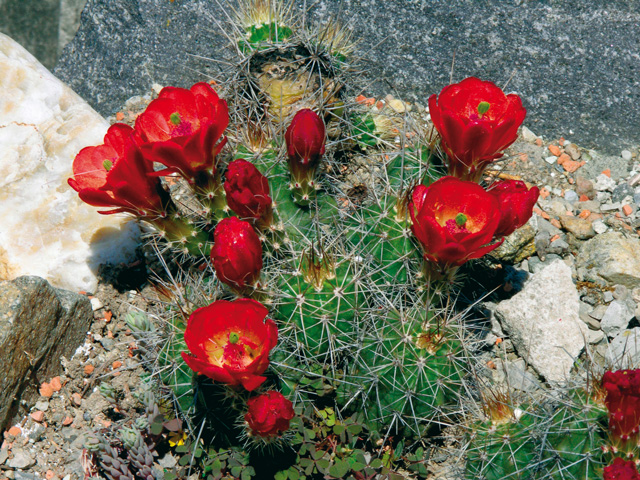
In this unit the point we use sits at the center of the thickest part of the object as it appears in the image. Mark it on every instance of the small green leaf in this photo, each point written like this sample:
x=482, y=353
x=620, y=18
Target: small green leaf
x=236, y=471
x=339, y=429
x=293, y=473
x=354, y=429
x=339, y=469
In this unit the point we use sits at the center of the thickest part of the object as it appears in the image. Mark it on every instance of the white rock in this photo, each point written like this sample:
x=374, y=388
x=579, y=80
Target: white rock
x=543, y=322
x=528, y=135
x=624, y=350
x=46, y=230
x=604, y=183
x=599, y=226
x=626, y=155
x=615, y=318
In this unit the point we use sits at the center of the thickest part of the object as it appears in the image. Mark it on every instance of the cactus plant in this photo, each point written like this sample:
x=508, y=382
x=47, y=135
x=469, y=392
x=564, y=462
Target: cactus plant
x=357, y=276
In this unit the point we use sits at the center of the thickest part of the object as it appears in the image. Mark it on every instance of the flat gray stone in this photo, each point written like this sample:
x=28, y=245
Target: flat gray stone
x=610, y=257
x=21, y=459
x=571, y=61
x=38, y=325
x=624, y=350
x=543, y=322
x=616, y=318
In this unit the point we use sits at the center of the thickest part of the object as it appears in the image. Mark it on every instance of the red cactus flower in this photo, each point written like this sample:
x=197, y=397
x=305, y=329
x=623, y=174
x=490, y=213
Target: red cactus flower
x=476, y=122
x=621, y=469
x=180, y=128
x=248, y=191
x=230, y=342
x=115, y=175
x=454, y=220
x=516, y=203
x=623, y=402
x=236, y=253
x=305, y=140
x=269, y=414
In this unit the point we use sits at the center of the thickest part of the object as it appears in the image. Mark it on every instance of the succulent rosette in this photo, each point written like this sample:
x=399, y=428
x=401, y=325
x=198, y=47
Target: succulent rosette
x=454, y=221
x=248, y=192
x=621, y=469
x=305, y=138
x=476, y=122
x=516, y=204
x=269, y=414
x=230, y=342
x=236, y=253
x=115, y=175
x=180, y=128
x=623, y=402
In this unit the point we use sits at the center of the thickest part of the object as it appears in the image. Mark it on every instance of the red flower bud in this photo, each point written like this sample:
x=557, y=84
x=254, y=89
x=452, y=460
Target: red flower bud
x=180, y=128
x=269, y=414
x=621, y=469
x=305, y=139
x=115, y=175
x=516, y=204
x=454, y=220
x=230, y=342
x=236, y=253
x=476, y=122
x=248, y=191
x=623, y=403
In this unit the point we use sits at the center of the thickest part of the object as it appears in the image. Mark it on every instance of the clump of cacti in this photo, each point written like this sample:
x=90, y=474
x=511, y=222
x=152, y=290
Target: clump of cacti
x=313, y=319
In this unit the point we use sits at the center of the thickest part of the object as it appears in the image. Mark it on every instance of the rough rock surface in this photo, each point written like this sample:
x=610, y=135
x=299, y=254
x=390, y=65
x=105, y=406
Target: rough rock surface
x=38, y=325
x=624, y=350
x=542, y=322
x=46, y=230
x=610, y=256
x=555, y=54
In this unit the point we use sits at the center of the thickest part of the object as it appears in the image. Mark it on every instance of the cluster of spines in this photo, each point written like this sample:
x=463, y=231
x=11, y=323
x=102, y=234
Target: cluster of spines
x=541, y=438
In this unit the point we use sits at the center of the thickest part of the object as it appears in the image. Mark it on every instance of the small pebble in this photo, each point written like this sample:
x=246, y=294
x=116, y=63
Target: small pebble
x=37, y=416
x=96, y=304
x=56, y=384
x=573, y=151
x=88, y=369
x=77, y=399
x=599, y=226
x=67, y=421
x=608, y=296
x=551, y=160
x=46, y=390
x=528, y=135
x=595, y=336
x=610, y=207
x=626, y=155
x=571, y=196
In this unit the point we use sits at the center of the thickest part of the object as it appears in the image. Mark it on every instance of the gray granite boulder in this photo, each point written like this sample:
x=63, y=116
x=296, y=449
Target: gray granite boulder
x=38, y=325
x=543, y=322
x=572, y=61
